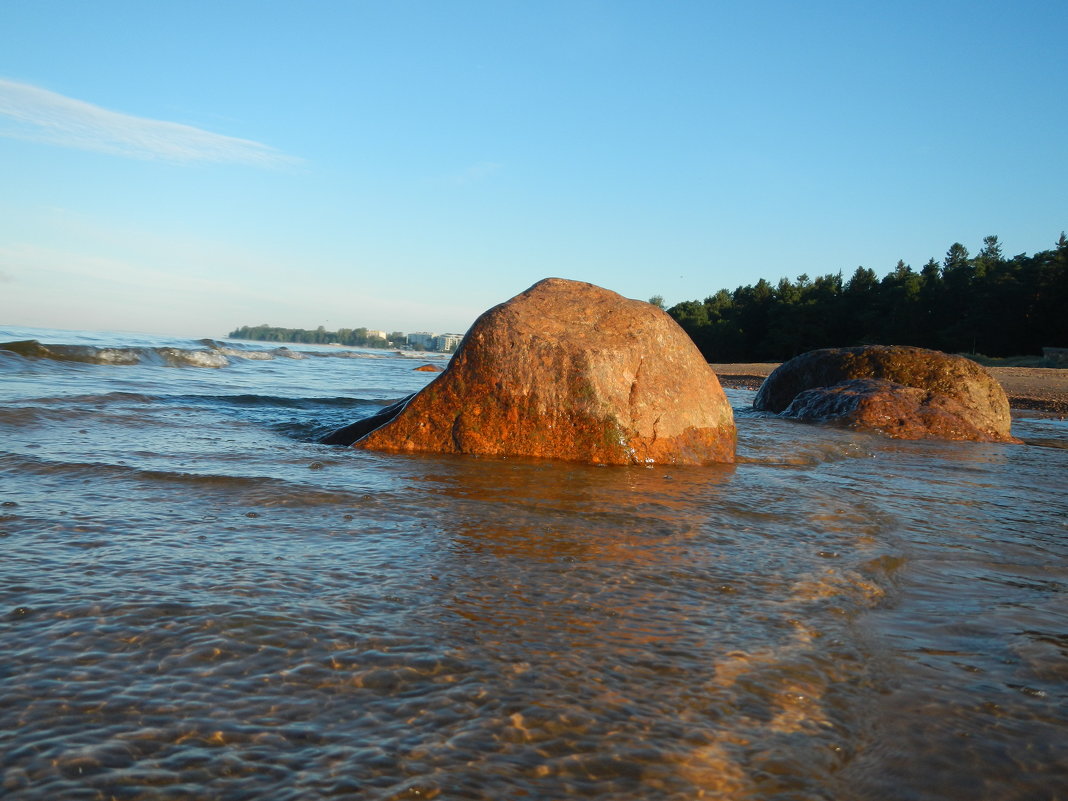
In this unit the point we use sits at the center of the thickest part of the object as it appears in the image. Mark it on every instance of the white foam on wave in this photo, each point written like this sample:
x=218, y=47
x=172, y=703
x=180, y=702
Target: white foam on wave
x=193, y=358
x=101, y=355
x=286, y=353
x=251, y=355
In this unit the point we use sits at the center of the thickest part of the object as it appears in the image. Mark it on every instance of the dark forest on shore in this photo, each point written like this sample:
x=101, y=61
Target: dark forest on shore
x=986, y=304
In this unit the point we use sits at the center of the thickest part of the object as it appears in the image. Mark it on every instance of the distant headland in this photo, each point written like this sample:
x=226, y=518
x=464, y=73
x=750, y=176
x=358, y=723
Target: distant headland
x=353, y=337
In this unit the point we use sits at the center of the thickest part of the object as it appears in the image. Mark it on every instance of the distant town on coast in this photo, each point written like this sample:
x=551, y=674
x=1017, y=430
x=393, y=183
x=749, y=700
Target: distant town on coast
x=986, y=304
x=353, y=337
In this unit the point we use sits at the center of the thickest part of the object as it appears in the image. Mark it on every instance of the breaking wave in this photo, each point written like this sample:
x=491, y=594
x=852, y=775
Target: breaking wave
x=120, y=356
x=213, y=354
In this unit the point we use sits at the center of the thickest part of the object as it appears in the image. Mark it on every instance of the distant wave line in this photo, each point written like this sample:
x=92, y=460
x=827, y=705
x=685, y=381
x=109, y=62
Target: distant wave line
x=212, y=356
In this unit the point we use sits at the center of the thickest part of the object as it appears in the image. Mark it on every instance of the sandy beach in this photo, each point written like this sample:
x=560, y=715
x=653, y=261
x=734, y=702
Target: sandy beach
x=1033, y=389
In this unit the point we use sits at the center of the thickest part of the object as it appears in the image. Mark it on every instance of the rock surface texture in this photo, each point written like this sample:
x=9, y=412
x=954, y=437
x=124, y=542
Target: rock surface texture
x=904, y=392
x=567, y=370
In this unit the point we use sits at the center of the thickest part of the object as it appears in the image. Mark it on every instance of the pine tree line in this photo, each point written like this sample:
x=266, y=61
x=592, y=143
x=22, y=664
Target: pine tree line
x=985, y=304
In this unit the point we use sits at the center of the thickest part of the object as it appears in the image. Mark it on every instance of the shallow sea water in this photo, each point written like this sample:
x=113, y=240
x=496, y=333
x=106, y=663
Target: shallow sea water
x=197, y=601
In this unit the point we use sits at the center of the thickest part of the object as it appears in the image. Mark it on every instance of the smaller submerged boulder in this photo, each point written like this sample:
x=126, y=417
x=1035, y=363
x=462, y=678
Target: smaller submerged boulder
x=568, y=370
x=903, y=392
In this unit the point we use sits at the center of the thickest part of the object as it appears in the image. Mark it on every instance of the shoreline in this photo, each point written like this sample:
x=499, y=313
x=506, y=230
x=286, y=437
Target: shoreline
x=1029, y=389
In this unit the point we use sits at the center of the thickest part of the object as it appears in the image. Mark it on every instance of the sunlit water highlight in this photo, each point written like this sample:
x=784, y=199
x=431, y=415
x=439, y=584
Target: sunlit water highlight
x=199, y=602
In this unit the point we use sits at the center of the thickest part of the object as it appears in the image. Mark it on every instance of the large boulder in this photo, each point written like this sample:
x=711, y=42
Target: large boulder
x=904, y=392
x=567, y=370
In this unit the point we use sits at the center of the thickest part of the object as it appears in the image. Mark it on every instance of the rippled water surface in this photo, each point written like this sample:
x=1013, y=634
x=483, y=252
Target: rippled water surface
x=199, y=602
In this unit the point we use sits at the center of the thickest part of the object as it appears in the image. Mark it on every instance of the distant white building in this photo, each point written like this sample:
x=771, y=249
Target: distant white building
x=447, y=342
x=424, y=340
x=377, y=334
x=421, y=339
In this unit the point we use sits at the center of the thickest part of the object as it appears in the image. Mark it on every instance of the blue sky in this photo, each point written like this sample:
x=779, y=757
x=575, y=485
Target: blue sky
x=186, y=168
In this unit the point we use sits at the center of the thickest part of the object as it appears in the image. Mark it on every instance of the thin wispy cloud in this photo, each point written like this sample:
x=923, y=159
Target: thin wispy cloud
x=31, y=113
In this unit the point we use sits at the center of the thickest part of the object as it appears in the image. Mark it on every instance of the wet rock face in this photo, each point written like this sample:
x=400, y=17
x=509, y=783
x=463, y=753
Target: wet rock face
x=904, y=392
x=567, y=370
x=896, y=410
x=350, y=433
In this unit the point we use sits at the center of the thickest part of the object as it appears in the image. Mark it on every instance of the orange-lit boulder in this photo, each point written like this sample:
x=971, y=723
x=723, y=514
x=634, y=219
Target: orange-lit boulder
x=428, y=368
x=567, y=370
x=903, y=392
